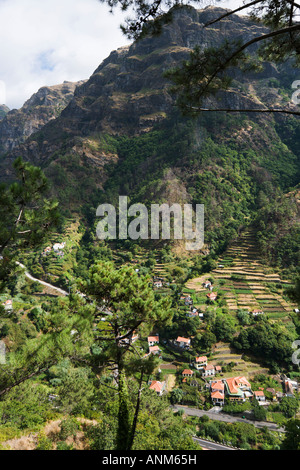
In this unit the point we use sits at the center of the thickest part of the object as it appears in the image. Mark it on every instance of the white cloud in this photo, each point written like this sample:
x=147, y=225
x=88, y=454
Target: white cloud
x=49, y=41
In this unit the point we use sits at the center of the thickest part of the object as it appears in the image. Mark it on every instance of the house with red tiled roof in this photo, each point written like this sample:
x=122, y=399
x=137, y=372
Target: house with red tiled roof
x=238, y=388
x=154, y=350
x=157, y=386
x=152, y=340
x=217, y=392
x=212, y=296
x=259, y=395
x=183, y=342
x=218, y=398
x=208, y=370
x=200, y=362
x=257, y=312
x=187, y=373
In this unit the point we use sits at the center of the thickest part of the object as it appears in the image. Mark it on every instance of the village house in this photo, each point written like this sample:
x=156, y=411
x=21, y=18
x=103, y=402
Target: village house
x=259, y=395
x=157, y=386
x=217, y=392
x=257, y=312
x=194, y=383
x=206, y=284
x=237, y=388
x=8, y=305
x=200, y=362
x=188, y=300
x=46, y=251
x=208, y=370
x=157, y=284
x=59, y=246
x=212, y=296
x=152, y=340
x=187, y=373
x=272, y=391
x=183, y=342
x=154, y=350
x=193, y=313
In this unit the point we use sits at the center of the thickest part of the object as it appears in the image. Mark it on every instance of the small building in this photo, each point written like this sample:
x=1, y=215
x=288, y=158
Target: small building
x=193, y=313
x=288, y=388
x=152, y=340
x=257, y=312
x=194, y=383
x=208, y=370
x=206, y=284
x=59, y=246
x=183, y=342
x=212, y=296
x=157, y=284
x=8, y=304
x=187, y=373
x=188, y=300
x=259, y=395
x=154, y=350
x=157, y=386
x=217, y=398
x=272, y=391
x=200, y=362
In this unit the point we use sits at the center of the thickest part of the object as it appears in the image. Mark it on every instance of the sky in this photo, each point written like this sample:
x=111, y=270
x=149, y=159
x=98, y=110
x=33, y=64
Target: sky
x=45, y=42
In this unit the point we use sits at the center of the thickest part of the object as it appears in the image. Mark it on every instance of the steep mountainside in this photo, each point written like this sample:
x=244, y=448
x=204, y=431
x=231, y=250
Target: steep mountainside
x=121, y=133
x=3, y=110
x=42, y=107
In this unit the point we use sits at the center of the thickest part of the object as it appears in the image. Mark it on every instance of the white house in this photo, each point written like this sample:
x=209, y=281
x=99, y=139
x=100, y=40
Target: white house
x=59, y=246
x=183, y=342
x=200, y=362
x=259, y=395
x=152, y=340
x=208, y=371
x=157, y=386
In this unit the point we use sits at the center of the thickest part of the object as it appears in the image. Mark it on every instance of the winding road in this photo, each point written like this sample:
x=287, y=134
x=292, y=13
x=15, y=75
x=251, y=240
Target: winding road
x=227, y=418
x=43, y=283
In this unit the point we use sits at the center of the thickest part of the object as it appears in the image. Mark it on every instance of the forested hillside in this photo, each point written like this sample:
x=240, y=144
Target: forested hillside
x=104, y=337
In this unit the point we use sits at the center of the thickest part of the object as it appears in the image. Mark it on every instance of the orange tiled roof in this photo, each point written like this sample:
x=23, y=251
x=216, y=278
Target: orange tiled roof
x=154, y=348
x=155, y=385
x=187, y=371
x=234, y=382
x=217, y=385
x=201, y=359
x=209, y=367
x=217, y=395
x=153, y=338
x=183, y=340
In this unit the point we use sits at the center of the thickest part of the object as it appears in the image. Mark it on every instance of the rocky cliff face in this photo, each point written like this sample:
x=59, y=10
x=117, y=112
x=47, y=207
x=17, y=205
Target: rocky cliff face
x=3, y=111
x=128, y=95
x=127, y=92
x=44, y=106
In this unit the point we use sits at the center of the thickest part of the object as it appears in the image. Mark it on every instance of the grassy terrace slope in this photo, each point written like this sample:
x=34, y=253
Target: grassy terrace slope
x=247, y=283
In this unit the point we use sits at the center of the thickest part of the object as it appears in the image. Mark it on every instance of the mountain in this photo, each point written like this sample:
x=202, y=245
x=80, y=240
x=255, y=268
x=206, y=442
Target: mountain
x=122, y=134
x=18, y=124
x=3, y=110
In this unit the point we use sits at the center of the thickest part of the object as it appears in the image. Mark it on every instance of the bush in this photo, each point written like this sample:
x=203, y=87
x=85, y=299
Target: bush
x=68, y=427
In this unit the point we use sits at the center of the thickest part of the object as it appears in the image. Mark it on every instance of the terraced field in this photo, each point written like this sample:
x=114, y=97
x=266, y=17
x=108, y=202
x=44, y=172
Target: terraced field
x=247, y=283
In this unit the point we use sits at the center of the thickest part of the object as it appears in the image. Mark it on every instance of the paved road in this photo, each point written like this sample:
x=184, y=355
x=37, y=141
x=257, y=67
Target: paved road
x=211, y=445
x=229, y=419
x=43, y=283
